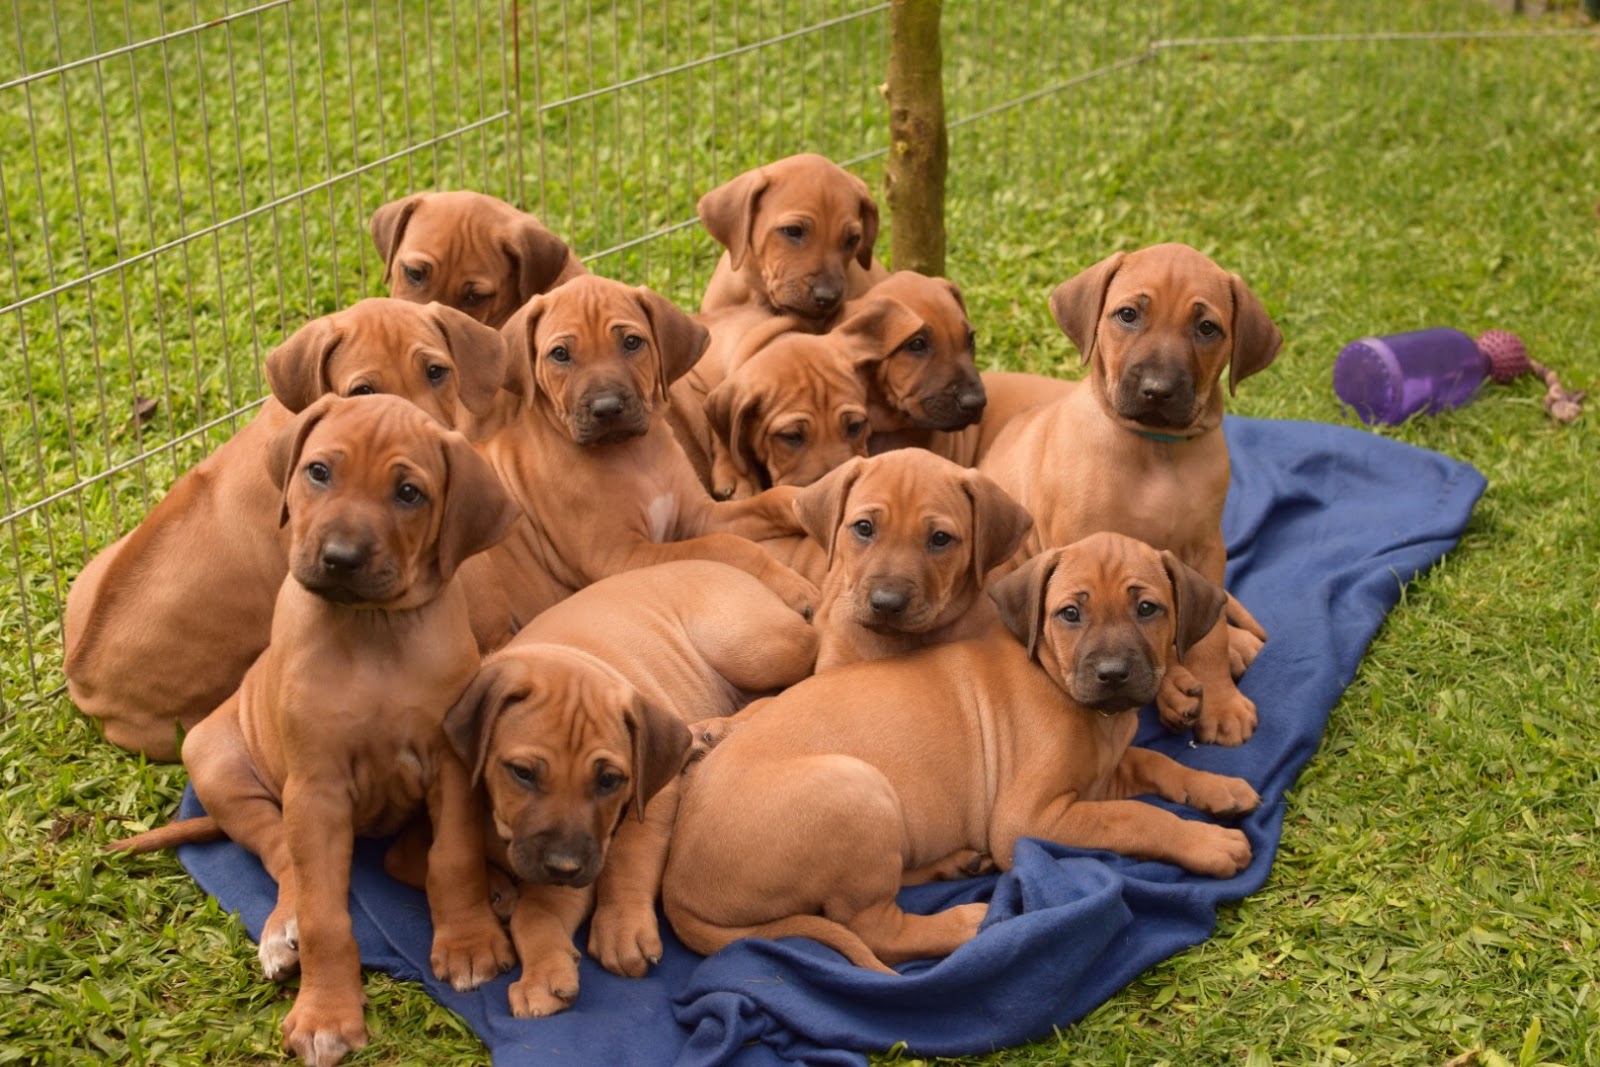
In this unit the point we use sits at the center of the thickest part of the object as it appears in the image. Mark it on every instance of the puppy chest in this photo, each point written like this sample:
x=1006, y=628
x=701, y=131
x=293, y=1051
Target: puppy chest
x=390, y=784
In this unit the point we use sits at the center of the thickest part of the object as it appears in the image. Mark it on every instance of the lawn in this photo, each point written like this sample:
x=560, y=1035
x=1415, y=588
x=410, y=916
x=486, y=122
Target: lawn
x=1435, y=897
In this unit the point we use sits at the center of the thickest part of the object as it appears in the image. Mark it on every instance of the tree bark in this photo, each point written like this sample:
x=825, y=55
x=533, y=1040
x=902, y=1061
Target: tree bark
x=918, y=144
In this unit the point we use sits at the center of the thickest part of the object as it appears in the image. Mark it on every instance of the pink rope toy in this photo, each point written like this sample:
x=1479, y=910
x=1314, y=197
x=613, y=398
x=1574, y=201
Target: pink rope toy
x=1508, y=360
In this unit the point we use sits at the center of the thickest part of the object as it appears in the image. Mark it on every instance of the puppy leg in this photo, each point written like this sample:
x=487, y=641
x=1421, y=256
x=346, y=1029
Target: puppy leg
x=1145, y=771
x=795, y=591
x=1179, y=698
x=1227, y=716
x=543, y=925
x=469, y=946
x=755, y=642
x=624, y=935
x=1245, y=637
x=962, y=863
x=1146, y=832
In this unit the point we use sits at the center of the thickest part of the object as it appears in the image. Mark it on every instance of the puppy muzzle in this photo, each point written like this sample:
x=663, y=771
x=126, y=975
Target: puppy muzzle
x=556, y=858
x=957, y=405
x=1156, y=394
x=604, y=416
x=1115, y=680
x=346, y=569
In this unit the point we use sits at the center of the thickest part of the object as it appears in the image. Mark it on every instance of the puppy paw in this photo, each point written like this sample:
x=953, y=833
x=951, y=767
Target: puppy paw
x=548, y=984
x=469, y=953
x=1243, y=646
x=797, y=592
x=322, y=1027
x=707, y=734
x=1180, y=698
x=962, y=863
x=1226, y=719
x=279, y=951
x=503, y=894
x=1217, y=851
x=625, y=940
x=1218, y=794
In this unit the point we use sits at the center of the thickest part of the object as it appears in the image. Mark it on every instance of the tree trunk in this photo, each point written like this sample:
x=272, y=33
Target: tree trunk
x=918, y=146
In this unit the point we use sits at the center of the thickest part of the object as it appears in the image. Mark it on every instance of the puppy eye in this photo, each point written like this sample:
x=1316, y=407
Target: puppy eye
x=319, y=473
x=793, y=233
x=526, y=777
x=632, y=343
x=1070, y=614
x=1147, y=609
x=792, y=438
x=409, y=495
x=1127, y=314
x=972, y=339
x=437, y=372
x=416, y=275
x=472, y=298
x=863, y=528
x=559, y=354
x=608, y=782
x=361, y=390
x=852, y=242
x=854, y=428
x=1208, y=329
x=918, y=344
x=940, y=539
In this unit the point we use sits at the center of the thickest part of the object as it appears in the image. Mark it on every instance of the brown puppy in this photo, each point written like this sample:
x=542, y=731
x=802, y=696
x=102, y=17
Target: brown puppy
x=910, y=538
x=147, y=647
x=807, y=819
x=577, y=731
x=799, y=234
x=469, y=251
x=788, y=415
x=1137, y=446
x=587, y=451
x=336, y=729
x=915, y=350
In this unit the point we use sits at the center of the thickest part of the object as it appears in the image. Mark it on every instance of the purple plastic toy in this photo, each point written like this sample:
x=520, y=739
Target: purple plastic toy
x=1389, y=379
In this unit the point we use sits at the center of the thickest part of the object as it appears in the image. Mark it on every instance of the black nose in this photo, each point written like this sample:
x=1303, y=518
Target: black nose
x=1111, y=671
x=606, y=406
x=1157, y=389
x=972, y=401
x=825, y=296
x=888, y=601
x=560, y=866
x=340, y=555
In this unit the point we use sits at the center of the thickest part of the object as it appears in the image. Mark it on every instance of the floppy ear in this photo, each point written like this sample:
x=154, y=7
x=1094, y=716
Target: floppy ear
x=537, y=257
x=283, y=452
x=869, y=226
x=876, y=327
x=732, y=410
x=479, y=354
x=517, y=336
x=1198, y=600
x=297, y=370
x=388, y=226
x=660, y=741
x=478, y=512
x=955, y=291
x=679, y=339
x=820, y=505
x=1019, y=596
x=1076, y=302
x=1256, y=338
x=469, y=723
x=999, y=523
x=729, y=211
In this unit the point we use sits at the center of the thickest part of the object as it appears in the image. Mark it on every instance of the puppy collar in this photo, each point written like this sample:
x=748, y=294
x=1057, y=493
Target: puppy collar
x=1164, y=438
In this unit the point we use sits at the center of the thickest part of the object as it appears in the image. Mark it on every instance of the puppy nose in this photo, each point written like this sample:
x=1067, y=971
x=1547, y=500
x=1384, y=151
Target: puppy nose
x=606, y=406
x=972, y=401
x=559, y=866
x=1111, y=671
x=825, y=296
x=341, y=555
x=1152, y=388
x=888, y=601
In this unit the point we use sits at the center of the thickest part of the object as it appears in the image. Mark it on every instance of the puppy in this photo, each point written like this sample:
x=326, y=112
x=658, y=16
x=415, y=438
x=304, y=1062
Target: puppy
x=589, y=454
x=577, y=731
x=807, y=820
x=469, y=251
x=336, y=728
x=910, y=538
x=1137, y=446
x=161, y=626
x=799, y=234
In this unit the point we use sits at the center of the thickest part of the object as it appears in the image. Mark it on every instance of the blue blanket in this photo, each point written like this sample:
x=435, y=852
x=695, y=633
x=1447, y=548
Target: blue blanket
x=1324, y=525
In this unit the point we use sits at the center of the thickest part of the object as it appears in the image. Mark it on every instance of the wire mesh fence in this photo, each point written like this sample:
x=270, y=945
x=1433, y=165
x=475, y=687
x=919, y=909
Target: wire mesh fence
x=184, y=184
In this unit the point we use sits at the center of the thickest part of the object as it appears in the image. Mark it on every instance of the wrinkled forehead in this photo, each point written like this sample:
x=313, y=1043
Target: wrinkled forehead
x=584, y=308
x=457, y=222
x=381, y=430
x=1106, y=566
x=569, y=705
x=1175, y=278
x=914, y=483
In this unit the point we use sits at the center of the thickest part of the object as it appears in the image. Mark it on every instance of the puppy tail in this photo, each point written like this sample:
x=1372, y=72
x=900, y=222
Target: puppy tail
x=184, y=832
x=706, y=938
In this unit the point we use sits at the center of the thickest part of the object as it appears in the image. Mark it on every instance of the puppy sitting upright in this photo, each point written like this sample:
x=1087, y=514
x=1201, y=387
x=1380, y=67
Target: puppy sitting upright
x=1137, y=446
x=336, y=729
x=472, y=252
x=807, y=820
x=799, y=234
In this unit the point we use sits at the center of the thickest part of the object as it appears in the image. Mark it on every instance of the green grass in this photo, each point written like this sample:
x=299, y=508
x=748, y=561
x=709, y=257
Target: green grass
x=1435, y=891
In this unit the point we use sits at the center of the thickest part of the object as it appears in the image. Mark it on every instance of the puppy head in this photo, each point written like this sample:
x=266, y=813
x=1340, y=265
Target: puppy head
x=791, y=413
x=382, y=503
x=915, y=347
x=1105, y=615
x=1158, y=326
x=597, y=357
x=434, y=356
x=566, y=749
x=913, y=536
x=792, y=228
x=469, y=251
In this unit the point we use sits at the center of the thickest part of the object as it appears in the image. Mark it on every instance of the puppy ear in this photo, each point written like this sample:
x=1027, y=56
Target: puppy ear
x=999, y=523
x=297, y=370
x=469, y=723
x=517, y=336
x=1019, y=596
x=388, y=226
x=875, y=327
x=537, y=257
x=479, y=354
x=869, y=226
x=660, y=742
x=955, y=291
x=820, y=505
x=1198, y=601
x=478, y=512
x=679, y=339
x=728, y=213
x=1256, y=338
x=283, y=451
x=1077, y=302
x=732, y=411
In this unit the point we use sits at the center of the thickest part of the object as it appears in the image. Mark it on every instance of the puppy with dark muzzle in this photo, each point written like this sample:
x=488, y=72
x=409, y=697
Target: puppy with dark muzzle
x=807, y=819
x=799, y=233
x=915, y=350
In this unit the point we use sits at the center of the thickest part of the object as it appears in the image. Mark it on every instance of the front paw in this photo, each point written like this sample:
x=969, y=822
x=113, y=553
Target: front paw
x=625, y=939
x=797, y=592
x=1180, y=698
x=1220, y=794
x=1227, y=718
x=468, y=953
x=1243, y=647
x=548, y=984
x=1217, y=851
x=279, y=951
x=322, y=1027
